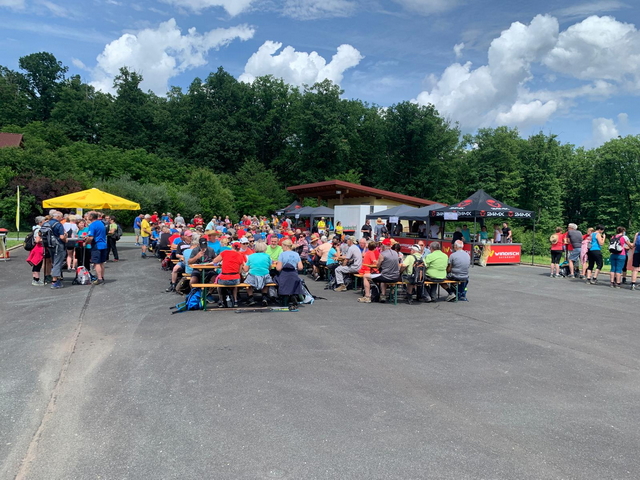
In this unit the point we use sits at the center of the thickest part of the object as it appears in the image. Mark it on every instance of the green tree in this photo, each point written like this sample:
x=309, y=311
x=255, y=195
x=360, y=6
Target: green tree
x=43, y=74
x=256, y=190
x=215, y=199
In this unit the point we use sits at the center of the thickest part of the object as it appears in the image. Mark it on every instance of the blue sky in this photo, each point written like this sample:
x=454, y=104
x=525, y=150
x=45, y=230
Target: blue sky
x=571, y=70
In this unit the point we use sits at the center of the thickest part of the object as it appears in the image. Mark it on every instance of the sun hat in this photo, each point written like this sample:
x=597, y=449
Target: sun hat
x=244, y=240
x=379, y=220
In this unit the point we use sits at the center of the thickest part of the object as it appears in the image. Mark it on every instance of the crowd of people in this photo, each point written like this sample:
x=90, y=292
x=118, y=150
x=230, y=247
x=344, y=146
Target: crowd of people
x=583, y=253
x=260, y=251
x=63, y=242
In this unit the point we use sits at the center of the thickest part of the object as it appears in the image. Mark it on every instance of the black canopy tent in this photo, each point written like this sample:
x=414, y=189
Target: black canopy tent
x=481, y=205
x=295, y=205
x=399, y=211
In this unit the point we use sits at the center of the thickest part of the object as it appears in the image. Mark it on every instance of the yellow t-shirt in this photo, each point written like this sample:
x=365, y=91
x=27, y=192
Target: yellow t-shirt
x=321, y=225
x=145, y=228
x=339, y=229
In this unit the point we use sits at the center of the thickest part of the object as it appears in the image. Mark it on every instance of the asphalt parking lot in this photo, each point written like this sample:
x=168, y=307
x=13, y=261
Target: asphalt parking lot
x=533, y=378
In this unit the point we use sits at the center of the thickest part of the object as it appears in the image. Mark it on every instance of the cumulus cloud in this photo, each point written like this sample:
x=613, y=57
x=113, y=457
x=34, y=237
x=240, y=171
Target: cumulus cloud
x=599, y=51
x=233, y=7
x=427, y=7
x=299, y=67
x=162, y=53
x=603, y=130
x=311, y=9
x=17, y=4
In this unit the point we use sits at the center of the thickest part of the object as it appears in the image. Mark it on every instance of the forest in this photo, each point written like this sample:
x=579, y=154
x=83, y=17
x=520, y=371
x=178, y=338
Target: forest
x=228, y=147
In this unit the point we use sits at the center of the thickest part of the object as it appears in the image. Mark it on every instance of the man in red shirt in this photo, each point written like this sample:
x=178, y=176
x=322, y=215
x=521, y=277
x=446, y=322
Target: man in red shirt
x=154, y=218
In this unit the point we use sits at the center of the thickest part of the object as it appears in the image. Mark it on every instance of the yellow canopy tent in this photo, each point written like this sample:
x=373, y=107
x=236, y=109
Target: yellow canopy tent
x=92, y=198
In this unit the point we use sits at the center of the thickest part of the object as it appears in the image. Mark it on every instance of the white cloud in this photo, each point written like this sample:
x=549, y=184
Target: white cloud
x=427, y=7
x=233, y=7
x=457, y=49
x=597, y=48
x=55, y=9
x=477, y=97
x=599, y=51
x=17, y=4
x=310, y=9
x=299, y=67
x=603, y=130
x=592, y=8
x=162, y=53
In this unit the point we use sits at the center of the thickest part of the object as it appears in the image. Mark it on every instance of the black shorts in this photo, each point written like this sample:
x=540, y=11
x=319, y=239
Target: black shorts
x=556, y=256
x=636, y=260
x=383, y=279
x=98, y=256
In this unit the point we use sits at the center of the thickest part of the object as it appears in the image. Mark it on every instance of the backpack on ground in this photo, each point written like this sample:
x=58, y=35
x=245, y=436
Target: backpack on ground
x=83, y=277
x=29, y=242
x=183, y=286
x=166, y=263
x=305, y=297
x=375, y=292
x=615, y=247
x=193, y=301
x=46, y=234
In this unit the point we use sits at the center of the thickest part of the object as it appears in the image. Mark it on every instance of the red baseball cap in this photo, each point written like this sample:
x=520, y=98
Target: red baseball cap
x=386, y=241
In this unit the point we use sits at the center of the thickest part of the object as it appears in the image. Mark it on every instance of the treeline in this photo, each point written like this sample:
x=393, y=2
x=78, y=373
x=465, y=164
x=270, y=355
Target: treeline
x=223, y=146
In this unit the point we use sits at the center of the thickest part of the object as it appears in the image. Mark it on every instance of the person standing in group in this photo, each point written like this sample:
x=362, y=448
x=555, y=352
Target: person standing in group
x=595, y=254
x=557, y=248
x=573, y=241
x=112, y=238
x=55, y=241
x=339, y=229
x=380, y=230
x=145, y=233
x=366, y=230
x=507, y=234
x=97, y=237
x=584, y=251
x=618, y=257
x=136, y=228
x=635, y=260
x=37, y=254
x=497, y=234
x=71, y=231
x=322, y=226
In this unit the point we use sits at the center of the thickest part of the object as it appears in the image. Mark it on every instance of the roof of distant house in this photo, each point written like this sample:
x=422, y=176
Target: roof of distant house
x=330, y=188
x=10, y=140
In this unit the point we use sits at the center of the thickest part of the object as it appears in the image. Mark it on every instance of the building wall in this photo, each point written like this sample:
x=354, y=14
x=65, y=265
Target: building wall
x=363, y=201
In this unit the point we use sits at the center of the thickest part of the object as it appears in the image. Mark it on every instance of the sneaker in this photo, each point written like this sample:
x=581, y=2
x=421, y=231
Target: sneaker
x=383, y=300
x=35, y=283
x=57, y=284
x=98, y=281
x=364, y=299
x=633, y=286
x=144, y=255
x=612, y=285
x=220, y=305
x=137, y=244
x=236, y=304
x=409, y=301
x=341, y=288
x=48, y=279
x=581, y=277
x=265, y=302
x=593, y=281
x=451, y=297
x=252, y=302
x=171, y=288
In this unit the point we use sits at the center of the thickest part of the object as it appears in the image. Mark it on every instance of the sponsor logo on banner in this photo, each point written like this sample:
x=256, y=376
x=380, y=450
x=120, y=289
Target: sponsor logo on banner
x=494, y=203
x=464, y=203
x=510, y=214
x=504, y=253
x=483, y=213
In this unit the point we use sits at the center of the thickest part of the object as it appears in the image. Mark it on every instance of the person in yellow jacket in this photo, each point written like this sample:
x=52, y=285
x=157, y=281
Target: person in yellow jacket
x=322, y=226
x=145, y=234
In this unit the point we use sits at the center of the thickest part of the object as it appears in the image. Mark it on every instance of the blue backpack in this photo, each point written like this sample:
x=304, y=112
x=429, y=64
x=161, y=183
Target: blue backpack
x=193, y=301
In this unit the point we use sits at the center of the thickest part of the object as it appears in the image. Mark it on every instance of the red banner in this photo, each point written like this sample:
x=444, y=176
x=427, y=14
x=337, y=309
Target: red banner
x=500, y=253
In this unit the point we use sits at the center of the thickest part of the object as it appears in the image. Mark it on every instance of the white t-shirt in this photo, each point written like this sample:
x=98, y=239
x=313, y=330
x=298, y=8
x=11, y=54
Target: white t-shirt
x=435, y=231
x=497, y=235
x=71, y=227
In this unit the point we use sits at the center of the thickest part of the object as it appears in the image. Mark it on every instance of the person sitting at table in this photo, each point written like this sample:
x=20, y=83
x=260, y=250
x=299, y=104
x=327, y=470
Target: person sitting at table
x=436, y=270
x=407, y=270
x=370, y=259
x=202, y=254
x=274, y=250
x=458, y=269
x=232, y=262
x=288, y=265
x=180, y=267
x=258, y=266
x=332, y=258
x=388, y=265
x=352, y=263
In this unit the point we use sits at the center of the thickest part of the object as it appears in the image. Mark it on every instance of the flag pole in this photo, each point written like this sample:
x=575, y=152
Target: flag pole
x=18, y=213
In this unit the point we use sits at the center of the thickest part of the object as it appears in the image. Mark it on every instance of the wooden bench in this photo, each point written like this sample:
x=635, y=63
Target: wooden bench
x=455, y=283
x=394, y=286
x=206, y=286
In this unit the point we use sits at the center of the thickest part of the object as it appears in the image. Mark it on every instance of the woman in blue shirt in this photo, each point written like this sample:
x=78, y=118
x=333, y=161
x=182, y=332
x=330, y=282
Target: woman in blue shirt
x=594, y=255
x=258, y=265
